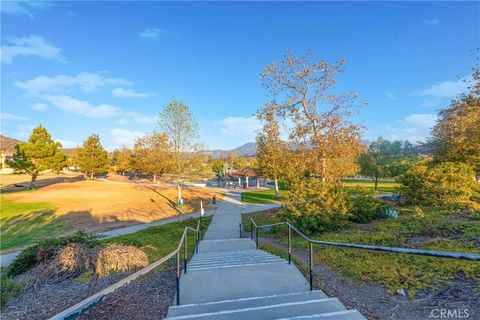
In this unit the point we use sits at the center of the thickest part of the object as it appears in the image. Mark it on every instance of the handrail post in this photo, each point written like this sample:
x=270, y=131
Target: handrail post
x=289, y=245
x=251, y=230
x=185, y=252
x=256, y=236
x=198, y=239
x=311, y=266
x=178, y=277
x=240, y=228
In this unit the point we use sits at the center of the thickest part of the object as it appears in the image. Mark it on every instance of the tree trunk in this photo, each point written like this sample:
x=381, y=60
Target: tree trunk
x=239, y=181
x=123, y=172
x=91, y=176
x=277, y=192
x=154, y=178
x=324, y=168
x=258, y=182
x=34, y=179
x=246, y=182
x=179, y=191
x=376, y=184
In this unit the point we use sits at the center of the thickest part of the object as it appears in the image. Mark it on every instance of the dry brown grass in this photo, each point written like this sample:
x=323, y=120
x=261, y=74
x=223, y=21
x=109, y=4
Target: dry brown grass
x=100, y=205
x=57, y=264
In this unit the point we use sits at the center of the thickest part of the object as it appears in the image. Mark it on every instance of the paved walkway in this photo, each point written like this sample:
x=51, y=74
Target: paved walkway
x=230, y=279
x=226, y=204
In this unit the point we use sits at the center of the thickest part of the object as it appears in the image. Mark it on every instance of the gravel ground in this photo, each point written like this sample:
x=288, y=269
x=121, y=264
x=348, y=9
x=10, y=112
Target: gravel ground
x=145, y=298
x=375, y=303
x=48, y=300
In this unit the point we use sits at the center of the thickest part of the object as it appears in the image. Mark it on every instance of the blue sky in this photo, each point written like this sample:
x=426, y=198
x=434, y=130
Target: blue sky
x=110, y=67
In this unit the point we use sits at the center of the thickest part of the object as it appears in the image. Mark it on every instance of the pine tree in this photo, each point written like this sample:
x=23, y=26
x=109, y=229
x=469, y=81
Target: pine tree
x=38, y=154
x=92, y=158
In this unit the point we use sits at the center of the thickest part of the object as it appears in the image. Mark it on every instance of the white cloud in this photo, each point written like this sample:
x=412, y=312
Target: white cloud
x=129, y=93
x=445, y=89
x=239, y=126
x=86, y=81
x=390, y=95
x=431, y=22
x=67, y=143
x=151, y=33
x=10, y=116
x=39, y=106
x=71, y=105
x=23, y=7
x=414, y=127
x=30, y=46
x=124, y=137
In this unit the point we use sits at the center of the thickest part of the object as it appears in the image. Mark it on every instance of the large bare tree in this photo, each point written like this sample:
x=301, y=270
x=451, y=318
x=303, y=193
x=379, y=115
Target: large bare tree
x=306, y=98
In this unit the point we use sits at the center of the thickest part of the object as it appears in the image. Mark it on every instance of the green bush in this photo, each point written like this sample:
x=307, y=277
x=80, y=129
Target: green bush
x=9, y=288
x=315, y=207
x=29, y=257
x=439, y=184
x=364, y=206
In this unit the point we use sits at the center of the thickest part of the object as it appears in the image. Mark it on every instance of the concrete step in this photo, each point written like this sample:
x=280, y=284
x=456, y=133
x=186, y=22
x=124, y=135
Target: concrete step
x=271, y=312
x=229, y=254
x=243, y=303
x=236, y=265
x=234, y=261
x=225, y=245
x=337, y=315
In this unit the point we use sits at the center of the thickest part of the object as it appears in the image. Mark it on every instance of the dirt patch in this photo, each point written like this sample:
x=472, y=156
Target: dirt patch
x=375, y=303
x=148, y=297
x=50, y=299
x=418, y=241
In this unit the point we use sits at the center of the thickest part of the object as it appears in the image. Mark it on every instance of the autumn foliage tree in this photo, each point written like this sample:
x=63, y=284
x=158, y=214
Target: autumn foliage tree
x=123, y=159
x=38, y=154
x=456, y=136
x=152, y=154
x=92, y=158
x=305, y=97
x=271, y=150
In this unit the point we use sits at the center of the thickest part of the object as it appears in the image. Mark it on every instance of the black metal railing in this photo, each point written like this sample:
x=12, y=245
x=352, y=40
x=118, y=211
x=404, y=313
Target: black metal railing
x=431, y=253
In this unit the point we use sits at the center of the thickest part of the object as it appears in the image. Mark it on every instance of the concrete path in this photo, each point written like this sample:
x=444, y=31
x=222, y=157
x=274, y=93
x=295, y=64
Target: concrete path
x=230, y=279
x=226, y=204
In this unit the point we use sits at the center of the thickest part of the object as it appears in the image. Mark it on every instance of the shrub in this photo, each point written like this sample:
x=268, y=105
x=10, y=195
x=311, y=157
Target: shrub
x=30, y=257
x=439, y=184
x=364, y=206
x=315, y=207
x=9, y=288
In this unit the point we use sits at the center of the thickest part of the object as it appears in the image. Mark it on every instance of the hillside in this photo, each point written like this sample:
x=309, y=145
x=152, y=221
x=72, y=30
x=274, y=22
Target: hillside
x=246, y=150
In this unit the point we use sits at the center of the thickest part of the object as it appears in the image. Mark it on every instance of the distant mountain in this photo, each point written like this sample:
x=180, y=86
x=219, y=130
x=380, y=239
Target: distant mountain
x=246, y=150
x=7, y=145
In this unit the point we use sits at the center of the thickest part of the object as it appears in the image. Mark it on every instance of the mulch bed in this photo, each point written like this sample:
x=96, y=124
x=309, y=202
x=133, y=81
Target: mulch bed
x=375, y=303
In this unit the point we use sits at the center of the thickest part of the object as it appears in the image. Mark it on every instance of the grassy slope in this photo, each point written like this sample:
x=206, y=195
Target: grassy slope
x=439, y=230
x=268, y=196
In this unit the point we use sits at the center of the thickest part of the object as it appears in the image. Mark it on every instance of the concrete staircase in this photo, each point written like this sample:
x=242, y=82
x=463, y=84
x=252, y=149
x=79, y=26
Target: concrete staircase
x=230, y=279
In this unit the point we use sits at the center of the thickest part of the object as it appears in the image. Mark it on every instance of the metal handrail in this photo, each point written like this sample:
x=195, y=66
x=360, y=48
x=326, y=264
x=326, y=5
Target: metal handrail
x=421, y=252
x=90, y=301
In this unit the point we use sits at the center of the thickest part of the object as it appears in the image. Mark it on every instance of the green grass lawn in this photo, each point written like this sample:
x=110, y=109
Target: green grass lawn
x=383, y=186
x=158, y=241
x=261, y=196
x=439, y=230
x=268, y=196
x=23, y=224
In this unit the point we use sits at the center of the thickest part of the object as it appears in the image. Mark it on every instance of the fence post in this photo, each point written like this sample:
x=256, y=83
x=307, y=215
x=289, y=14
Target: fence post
x=198, y=239
x=311, y=266
x=185, y=252
x=256, y=236
x=178, y=277
x=289, y=245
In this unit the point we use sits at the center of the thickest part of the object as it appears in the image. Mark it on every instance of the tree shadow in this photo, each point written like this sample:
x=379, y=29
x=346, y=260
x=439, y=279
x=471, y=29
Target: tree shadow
x=21, y=186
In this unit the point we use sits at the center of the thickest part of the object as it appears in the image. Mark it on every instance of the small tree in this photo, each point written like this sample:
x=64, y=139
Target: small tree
x=92, y=158
x=123, y=159
x=152, y=154
x=271, y=150
x=38, y=154
x=179, y=125
x=385, y=159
